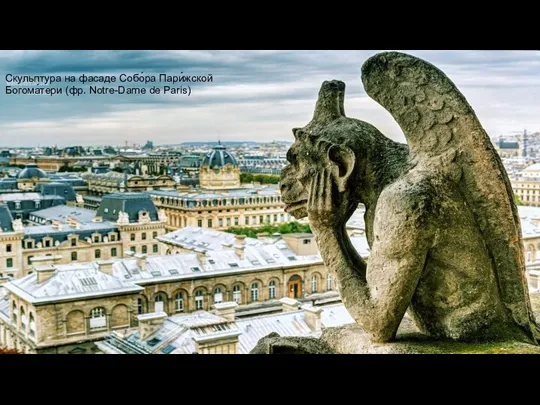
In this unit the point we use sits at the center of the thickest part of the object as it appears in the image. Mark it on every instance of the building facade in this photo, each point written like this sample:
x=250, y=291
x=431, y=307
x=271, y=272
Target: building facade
x=127, y=222
x=64, y=308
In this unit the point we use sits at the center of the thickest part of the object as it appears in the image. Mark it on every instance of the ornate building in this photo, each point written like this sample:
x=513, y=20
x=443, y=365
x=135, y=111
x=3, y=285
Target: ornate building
x=114, y=182
x=65, y=234
x=64, y=308
x=244, y=207
x=219, y=170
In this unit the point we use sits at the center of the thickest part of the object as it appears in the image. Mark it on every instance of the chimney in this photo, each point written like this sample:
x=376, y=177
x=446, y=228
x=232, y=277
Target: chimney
x=201, y=256
x=312, y=316
x=106, y=266
x=141, y=261
x=44, y=273
x=226, y=310
x=129, y=253
x=150, y=323
x=289, y=304
x=240, y=246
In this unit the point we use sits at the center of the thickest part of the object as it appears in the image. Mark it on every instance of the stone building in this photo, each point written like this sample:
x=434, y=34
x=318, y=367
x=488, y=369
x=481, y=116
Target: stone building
x=219, y=170
x=124, y=222
x=11, y=235
x=66, y=307
x=220, y=331
x=114, y=182
x=508, y=149
x=245, y=207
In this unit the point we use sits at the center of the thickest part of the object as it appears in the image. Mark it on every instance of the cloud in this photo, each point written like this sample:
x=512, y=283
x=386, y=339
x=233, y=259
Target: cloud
x=255, y=95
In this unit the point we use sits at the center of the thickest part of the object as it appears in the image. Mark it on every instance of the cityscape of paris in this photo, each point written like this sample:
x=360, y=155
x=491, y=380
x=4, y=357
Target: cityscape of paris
x=143, y=206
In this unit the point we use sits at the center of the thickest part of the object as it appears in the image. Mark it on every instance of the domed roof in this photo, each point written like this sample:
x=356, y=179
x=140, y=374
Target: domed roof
x=30, y=171
x=219, y=157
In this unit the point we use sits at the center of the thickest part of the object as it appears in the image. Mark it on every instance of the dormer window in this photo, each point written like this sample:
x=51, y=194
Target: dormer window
x=73, y=241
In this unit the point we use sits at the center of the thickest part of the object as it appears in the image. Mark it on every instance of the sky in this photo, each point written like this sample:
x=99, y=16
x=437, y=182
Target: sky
x=254, y=95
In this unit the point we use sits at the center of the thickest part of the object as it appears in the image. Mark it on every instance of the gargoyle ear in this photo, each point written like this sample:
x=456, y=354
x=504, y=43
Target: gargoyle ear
x=344, y=161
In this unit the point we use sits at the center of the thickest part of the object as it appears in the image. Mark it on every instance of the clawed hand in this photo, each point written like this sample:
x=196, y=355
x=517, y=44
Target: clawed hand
x=326, y=206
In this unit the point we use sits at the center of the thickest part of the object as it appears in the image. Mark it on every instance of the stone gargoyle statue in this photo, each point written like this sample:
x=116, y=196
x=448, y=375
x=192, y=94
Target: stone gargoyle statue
x=441, y=222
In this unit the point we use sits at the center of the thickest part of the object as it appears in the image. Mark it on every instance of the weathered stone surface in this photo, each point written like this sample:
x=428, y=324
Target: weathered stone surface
x=440, y=218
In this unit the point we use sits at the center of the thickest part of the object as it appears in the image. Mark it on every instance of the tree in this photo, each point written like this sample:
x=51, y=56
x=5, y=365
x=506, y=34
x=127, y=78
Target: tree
x=291, y=227
x=517, y=200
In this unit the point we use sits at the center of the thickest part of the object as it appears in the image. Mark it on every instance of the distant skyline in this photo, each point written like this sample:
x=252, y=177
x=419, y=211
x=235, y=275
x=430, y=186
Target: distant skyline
x=254, y=96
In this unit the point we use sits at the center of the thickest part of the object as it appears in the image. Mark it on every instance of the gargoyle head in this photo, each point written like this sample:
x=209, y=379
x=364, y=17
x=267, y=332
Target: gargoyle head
x=318, y=145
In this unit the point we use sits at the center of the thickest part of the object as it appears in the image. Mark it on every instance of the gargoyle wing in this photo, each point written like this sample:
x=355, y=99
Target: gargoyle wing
x=442, y=129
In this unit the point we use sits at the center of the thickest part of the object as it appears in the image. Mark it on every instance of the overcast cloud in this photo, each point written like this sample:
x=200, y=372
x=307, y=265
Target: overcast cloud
x=255, y=95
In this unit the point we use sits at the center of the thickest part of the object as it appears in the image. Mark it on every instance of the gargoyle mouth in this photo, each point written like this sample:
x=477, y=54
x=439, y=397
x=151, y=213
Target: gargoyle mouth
x=289, y=207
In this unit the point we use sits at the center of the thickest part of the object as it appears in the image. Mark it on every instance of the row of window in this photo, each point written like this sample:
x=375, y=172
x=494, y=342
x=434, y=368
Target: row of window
x=24, y=319
x=247, y=221
x=97, y=254
x=143, y=236
x=218, y=295
x=48, y=242
x=219, y=203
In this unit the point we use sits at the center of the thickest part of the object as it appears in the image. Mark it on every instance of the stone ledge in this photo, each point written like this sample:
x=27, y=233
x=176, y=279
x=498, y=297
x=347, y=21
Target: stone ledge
x=351, y=339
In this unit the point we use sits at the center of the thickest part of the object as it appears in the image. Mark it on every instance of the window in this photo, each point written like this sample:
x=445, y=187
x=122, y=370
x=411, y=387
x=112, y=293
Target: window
x=247, y=220
x=48, y=243
x=14, y=312
x=73, y=241
x=73, y=256
x=329, y=282
x=154, y=235
x=97, y=254
x=307, y=241
x=220, y=222
x=97, y=318
x=23, y=318
x=8, y=248
x=114, y=252
x=261, y=220
x=96, y=239
x=132, y=248
x=282, y=217
x=199, y=300
x=155, y=249
x=218, y=296
x=140, y=307
x=210, y=223
x=179, y=302
x=272, y=290
x=236, y=221
x=113, y=237
x=275, y=217
x=143, y=236
x=199, y=223
x=314, y=284
x=237, y=294
x=32, y=325
x=9, y=263
x=254, y=292
x=29, y=260
x=29, y=244
x=132, y=237
x=159, y=303
x=144, y=249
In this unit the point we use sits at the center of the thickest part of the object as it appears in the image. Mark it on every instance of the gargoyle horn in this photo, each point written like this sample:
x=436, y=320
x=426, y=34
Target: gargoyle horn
x=329, y=105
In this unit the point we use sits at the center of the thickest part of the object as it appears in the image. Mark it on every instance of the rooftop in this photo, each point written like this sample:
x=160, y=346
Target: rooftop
x=202, y=238
x=81, y=280
x=62, y=212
